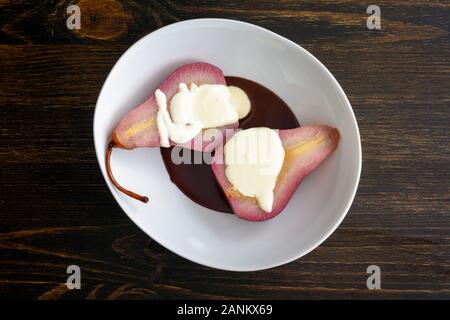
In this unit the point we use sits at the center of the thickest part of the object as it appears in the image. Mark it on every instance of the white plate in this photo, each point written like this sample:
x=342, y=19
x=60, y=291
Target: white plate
x=204, y=236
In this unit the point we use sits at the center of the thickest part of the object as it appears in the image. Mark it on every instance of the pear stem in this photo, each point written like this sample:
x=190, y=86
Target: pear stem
x=129, y=193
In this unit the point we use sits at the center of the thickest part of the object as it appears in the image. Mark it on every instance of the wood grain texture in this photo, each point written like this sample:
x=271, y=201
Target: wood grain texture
x=56, y=209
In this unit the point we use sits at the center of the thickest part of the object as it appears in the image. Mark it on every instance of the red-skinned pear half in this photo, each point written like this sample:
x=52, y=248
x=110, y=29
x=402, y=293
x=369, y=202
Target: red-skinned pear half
x=305, y=148
x=138, y=127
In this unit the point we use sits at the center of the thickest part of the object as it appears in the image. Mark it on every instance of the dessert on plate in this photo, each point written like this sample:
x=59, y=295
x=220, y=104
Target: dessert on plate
x=259, y=153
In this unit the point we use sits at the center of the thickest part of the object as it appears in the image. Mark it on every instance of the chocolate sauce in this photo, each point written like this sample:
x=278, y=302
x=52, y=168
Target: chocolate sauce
x=197, y=181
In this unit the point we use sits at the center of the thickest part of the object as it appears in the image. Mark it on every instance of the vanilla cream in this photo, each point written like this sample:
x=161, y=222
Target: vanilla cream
x=240, y=101
x=253, y=160
x=196, y=108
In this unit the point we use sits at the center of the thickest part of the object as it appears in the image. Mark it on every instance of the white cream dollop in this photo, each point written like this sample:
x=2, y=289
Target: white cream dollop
x=253, y=160
x=196, y=108
x=240, y=101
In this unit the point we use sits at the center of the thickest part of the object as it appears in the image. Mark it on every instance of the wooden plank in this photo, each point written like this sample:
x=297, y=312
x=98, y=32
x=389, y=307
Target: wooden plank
x=56, y=209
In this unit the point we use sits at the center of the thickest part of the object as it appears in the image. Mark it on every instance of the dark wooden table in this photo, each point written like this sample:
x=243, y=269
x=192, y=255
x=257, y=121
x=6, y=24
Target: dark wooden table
x=55, y=207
